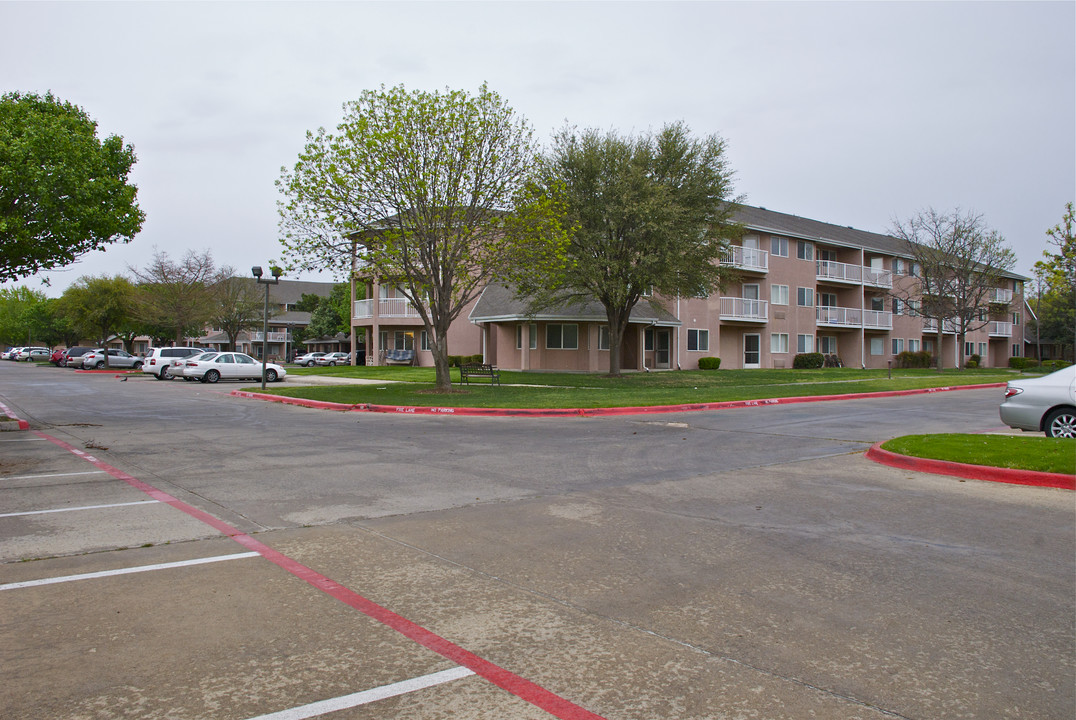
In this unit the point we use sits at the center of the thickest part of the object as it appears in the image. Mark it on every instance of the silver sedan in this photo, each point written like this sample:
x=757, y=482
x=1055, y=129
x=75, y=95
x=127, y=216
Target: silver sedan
x=1047, y=403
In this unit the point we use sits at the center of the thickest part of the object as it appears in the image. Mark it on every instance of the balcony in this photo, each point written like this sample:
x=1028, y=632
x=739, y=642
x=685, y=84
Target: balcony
x=1001, y=296
x=274, y=337
x=743, y=258
x=999, y=329
x=828, y=316
x=877, y=278
x=930, y=326
x=386, y=308
x=831, y=271
x=743, y=309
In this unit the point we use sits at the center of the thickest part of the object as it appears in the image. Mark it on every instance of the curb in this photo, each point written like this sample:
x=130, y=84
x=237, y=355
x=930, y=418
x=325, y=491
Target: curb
x=22, y=424
x=971, y=472
x=592, y=412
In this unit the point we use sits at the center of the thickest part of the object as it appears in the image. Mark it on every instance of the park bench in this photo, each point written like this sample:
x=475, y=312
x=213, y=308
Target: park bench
x=479, y=371
x=400, y=357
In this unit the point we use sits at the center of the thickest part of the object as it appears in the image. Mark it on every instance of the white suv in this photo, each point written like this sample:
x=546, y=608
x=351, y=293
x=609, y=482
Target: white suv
x=159, y=360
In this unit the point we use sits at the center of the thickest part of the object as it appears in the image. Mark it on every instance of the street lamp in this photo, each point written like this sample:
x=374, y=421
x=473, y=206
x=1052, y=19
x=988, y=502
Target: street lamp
x=256, y=271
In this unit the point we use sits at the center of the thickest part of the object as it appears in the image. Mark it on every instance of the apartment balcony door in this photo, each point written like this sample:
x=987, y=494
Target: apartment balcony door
x=752, y=351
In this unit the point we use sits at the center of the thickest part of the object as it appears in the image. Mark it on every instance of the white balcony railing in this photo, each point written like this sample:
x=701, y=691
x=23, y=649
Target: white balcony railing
x=1000, y=329
x=733, y=308
x=853, y=317
x=1000, y=295
x=747, y=258
x=386, y=307
x=931, y=326
x=839, y=272
x=274, y=337
x=877, y=278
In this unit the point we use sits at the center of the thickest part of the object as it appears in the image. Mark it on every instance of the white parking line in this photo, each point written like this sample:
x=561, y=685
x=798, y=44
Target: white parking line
x=72, y=509
x=368, y=696
x=126, y=571
x=52, y=475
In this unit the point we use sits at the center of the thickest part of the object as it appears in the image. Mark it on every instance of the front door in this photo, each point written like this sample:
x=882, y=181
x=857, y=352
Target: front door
x=752, y=351
x=661, y=348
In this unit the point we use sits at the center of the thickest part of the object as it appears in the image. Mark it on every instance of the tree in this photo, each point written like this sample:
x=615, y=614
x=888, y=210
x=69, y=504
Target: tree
x=959, y=262
x=332, y=314
x=17, y=306
x=63, y=192
x=239, y=305
x=650, y=212
x=431, y=190
x=1057, y=312
x=101, y=306
x=178, y=295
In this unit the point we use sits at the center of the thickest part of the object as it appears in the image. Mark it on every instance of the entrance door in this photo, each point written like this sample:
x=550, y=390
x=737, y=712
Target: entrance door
x=752, y=351
x=661, y=348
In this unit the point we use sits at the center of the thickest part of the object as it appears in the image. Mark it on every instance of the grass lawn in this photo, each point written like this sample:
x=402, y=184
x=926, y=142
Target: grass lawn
x=1055, y=455
x=414, y=386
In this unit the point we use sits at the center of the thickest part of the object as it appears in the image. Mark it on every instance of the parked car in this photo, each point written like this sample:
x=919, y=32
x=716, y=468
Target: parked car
x=28, y=354
x=95, y=359
x=57, y=356
x=159, y=361
x=73, y=356
x=12, y=353
x=1046, y=403
x=231, y=366
x=309, y=359
x=333, y=359
x=179, y=369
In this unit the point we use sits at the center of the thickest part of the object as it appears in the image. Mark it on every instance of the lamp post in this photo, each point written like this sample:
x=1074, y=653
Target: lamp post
x=256, y=271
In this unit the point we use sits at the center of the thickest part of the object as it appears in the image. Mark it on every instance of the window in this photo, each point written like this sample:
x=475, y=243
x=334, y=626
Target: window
x=779, y=294
x=562, y=337
x=827, y=299
x=969, y=349
x=877, y=346
x=827, y=255
x=898, y=307
x=532, y=333
x=779, y=246
x=804, y=343
x=928, y=346
x=914, y=307
x=648, y=340
x=1016, y=318
x=603, y=337
x=1015, y=350
x=403, y=341
x=982, y=350
x=804, y=250
x=917, y=269
x=913, y=345
x=898, y=346
x=698, y=340
x=424, y=340
x=898, y=266
x=827, y=344
x=877, y=304
x=779, y=342
x=805, y=297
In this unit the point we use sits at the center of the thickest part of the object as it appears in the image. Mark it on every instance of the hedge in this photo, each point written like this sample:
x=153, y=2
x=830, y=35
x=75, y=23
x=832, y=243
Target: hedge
x=808, y=361
x=709, y=363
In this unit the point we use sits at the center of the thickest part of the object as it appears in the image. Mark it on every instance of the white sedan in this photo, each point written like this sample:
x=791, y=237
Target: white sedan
x=211, y=367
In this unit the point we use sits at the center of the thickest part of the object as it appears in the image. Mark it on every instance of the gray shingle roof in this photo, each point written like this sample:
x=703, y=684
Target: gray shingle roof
x=498, y=303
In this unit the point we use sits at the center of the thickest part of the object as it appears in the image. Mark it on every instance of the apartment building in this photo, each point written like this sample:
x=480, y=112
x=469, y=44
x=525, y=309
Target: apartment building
x=805, y=286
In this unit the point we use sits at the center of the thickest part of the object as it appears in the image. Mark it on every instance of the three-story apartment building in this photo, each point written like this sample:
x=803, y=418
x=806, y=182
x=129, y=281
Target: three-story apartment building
x=805, y=286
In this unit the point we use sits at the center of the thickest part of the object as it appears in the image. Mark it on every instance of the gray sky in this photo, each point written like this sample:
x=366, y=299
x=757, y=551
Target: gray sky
x=853, y=113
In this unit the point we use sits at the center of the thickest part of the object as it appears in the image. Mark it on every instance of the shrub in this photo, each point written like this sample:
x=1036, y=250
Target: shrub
x=921, y=359
x=1022, y=363
x=475, y=358
x=1055, y=364
x=709, y=363
x=808, y=361
x=971, y=363
x=976, y=359
x=453, y=360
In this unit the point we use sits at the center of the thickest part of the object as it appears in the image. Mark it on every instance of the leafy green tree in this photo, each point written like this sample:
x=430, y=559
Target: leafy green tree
x=18, y=306
x=178, y=295
x=1057, y=301
x=430, y=191
x=101, y=306
x=239, y=307
x=960, y=263
x=648, y=212
x=308, y=302
x=63, y=192
x=333, y=313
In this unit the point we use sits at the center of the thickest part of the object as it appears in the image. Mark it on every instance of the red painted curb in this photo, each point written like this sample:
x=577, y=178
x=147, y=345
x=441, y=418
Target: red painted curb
x=595, y=412
x=971, y=472
x=23, y=425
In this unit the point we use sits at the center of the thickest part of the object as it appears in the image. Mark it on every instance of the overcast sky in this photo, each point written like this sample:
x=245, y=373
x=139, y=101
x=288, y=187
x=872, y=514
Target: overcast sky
x=853, y=113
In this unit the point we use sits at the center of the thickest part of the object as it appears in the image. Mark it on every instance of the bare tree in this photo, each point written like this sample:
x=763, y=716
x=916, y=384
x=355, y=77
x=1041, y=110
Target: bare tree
x=177, y=295
x=959, y=262
x=239, y=304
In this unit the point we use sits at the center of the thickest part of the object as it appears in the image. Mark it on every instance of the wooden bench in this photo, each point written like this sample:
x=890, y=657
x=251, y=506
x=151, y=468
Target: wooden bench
x=400, y=357
x=478, y=370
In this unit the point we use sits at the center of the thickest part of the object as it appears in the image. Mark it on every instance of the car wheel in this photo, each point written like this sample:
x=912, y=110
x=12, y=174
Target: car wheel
x=332, y=364
x=270, y=375
x=1061, y=423
x=137, y=366
x=212, y=376
x=100, y=364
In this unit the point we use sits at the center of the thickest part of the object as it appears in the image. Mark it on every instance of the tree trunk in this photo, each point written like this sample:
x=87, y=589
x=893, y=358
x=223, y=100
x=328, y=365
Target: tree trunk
x=617, y=318
x=440, y=361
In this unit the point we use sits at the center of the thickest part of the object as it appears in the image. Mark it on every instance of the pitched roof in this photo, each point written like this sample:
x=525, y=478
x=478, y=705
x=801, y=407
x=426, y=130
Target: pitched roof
x=498, y=303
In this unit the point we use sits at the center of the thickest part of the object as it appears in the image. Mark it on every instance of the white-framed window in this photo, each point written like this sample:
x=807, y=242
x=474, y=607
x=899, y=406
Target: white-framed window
x=827, y=299
x=914, y=307
x=424, y=340
x=805, y=297
x=898, y=306
x=898, y=266
x=1016, y=318
x=928, y=346
x=648, y=340
x=562, y=337
x=877, y=346
x=917, y=269
x=779, y=246
x=898, y=346
x=969, y=349
x=804, y=343
x=533, y=336
x=982, y=350
x=778, y=342
x=914, y=345
x=804, y=250
x=877, y=304
x=827, y=344
x=1015, y=350
x=779, y=294
x=397, y=340
x=603, y=337
x=826, y=255
x=698, y=340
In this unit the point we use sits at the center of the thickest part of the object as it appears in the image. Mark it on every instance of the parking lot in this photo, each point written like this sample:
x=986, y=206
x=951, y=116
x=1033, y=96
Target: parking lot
x=170, y=551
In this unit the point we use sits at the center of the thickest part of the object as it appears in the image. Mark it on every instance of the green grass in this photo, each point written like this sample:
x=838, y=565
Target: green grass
x=414, y=386
x=1054, y=455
